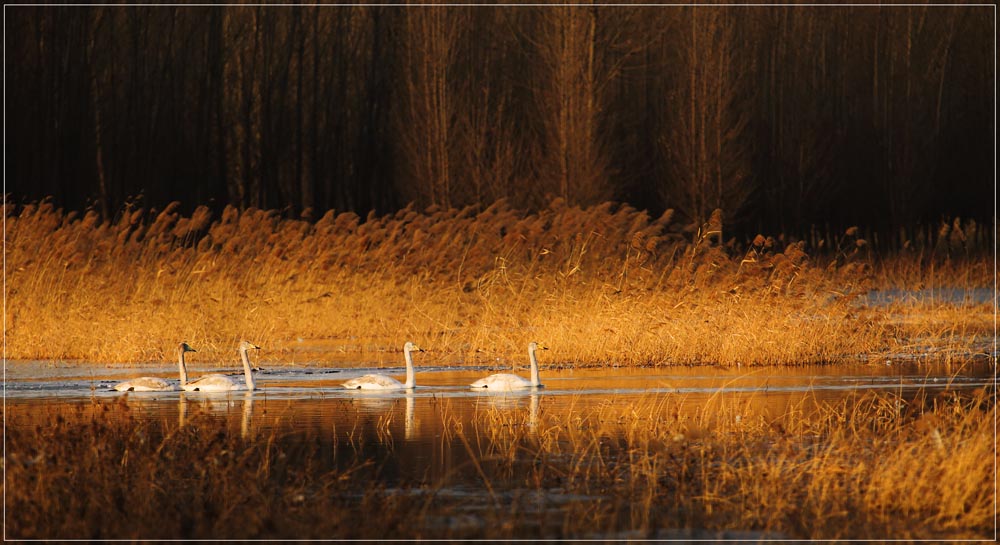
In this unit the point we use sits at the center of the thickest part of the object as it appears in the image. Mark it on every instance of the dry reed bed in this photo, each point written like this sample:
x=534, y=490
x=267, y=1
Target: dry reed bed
x=869, y=467
x=874, y=467
x=601, y=284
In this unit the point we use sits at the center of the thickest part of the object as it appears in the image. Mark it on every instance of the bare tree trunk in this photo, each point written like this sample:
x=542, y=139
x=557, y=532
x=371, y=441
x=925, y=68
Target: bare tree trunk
x=303, y=182
x=96, y=103
x=430, y=37
x=581, y=50
x=708, y=147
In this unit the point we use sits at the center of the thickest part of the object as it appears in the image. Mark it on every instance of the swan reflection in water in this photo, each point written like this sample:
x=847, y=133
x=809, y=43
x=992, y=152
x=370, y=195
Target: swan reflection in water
x=383, y=410
x=508, y=400
x=218, y=406
x=410, y=424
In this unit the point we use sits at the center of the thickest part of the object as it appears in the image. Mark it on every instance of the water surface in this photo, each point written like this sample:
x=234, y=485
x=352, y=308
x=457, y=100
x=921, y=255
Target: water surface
x=433, y=441
x=311, y=397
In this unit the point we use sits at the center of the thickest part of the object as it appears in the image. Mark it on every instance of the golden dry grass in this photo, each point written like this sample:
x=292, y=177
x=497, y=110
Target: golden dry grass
x=867, y=467
x=602, y=284
x=870, y=467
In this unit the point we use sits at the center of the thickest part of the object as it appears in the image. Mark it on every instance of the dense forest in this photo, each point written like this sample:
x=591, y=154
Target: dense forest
x=783, y=117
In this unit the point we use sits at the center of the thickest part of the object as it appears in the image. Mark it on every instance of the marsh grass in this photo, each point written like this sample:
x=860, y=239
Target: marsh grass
x=867, y=467
x=599, y=285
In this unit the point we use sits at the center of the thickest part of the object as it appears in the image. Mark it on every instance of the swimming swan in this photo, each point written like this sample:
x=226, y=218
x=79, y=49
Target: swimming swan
x=382, y=382
x=155, y=384
x=222, y=383
x=507, y=381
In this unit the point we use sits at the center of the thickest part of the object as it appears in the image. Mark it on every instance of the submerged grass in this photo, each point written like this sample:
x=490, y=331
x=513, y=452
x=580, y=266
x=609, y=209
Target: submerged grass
x=601, y=284
x=871, y=467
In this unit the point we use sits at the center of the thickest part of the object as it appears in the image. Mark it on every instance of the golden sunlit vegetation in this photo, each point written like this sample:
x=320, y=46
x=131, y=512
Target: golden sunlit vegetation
x=864, y=467
x=606, y=284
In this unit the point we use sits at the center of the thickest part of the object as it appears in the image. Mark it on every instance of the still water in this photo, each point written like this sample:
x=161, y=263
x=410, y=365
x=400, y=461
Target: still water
x=433, y=439
x=311, y=397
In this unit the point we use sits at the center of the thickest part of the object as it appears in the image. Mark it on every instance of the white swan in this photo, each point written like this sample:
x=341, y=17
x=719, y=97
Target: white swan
x=222, y=383
x=507, y=381
x=156, y=384
x=382, y=382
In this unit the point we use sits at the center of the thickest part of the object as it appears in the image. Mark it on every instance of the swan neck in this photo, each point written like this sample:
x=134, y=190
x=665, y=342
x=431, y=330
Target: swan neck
x=535, y=381
x=182, y=367
x=246, y=368
x=411, y=379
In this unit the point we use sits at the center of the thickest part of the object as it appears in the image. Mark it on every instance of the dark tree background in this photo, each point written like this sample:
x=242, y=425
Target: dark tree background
x=784, y=117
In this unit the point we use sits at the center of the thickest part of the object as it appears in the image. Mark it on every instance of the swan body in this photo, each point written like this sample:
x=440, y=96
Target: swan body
x=383, y=382
x=502, y=381
x=222, y=383
x=145, y=384
x=155, y=384
x=508, y=381
x=213, y=383
x=374, y=382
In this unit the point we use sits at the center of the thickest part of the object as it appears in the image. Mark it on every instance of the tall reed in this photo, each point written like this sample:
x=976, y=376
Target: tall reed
x=602, y=284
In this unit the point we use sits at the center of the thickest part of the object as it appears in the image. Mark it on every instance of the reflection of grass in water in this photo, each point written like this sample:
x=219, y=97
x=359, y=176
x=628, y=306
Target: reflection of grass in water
x=872, y=467
x=603, y=284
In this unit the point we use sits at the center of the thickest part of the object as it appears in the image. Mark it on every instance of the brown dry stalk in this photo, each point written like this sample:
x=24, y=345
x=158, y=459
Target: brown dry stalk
x=875, y=466
x=602, y=284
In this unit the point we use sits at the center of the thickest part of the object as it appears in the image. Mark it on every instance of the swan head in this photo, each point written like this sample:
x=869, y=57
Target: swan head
x=536, y=346
x=410, y=347
x=247, y=345
x=185, y=347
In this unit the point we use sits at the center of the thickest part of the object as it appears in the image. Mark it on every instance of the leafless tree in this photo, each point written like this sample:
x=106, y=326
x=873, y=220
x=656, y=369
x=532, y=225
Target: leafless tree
x=707, y=145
